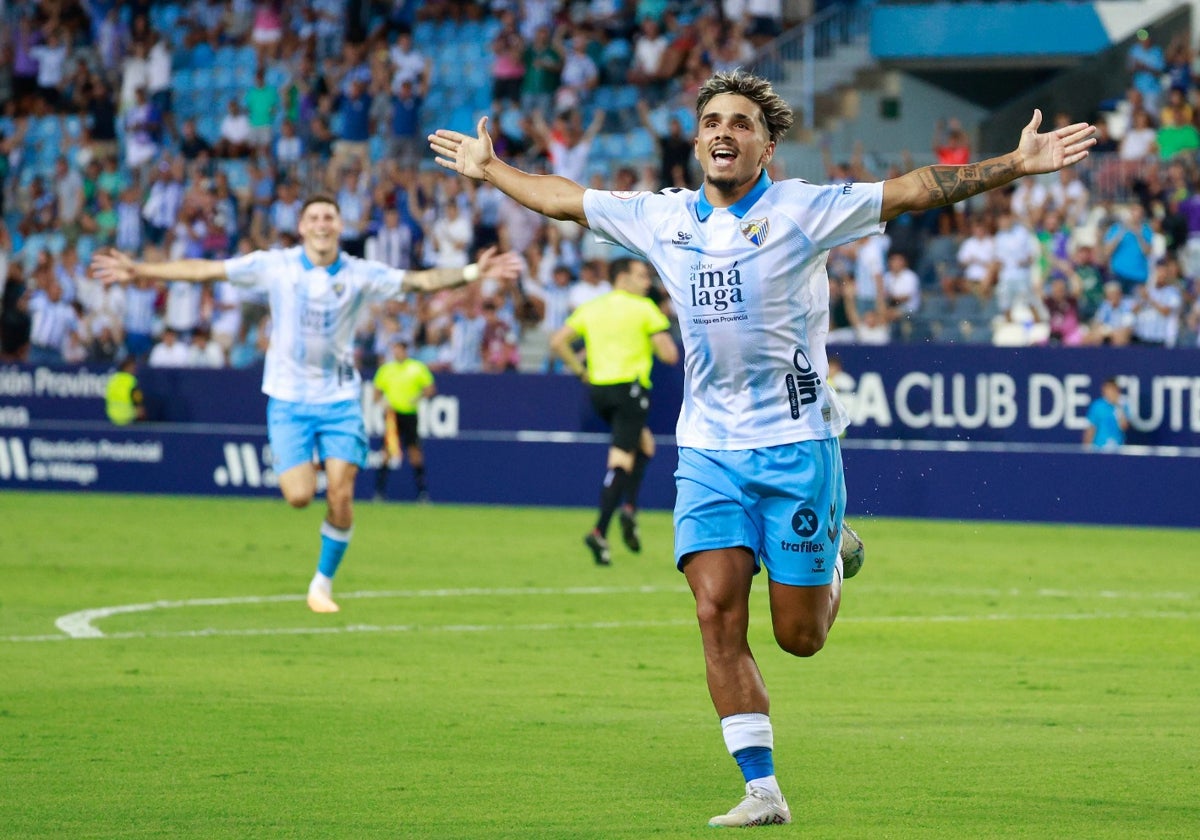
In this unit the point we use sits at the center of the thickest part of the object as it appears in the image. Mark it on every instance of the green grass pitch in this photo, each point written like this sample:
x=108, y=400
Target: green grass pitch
x=485, y=680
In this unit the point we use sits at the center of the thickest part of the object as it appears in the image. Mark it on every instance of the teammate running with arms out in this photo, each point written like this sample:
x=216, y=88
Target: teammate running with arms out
x=402, y=382
x=760, y=472
x=622, y=332
x=315, y=293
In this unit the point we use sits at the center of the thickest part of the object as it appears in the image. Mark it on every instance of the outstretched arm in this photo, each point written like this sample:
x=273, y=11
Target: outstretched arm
x=474, y=157
x=937, y=186
x=113, y=266
x=506, y=266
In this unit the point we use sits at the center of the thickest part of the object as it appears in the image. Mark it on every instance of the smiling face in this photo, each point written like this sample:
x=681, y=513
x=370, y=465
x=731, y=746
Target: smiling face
x=320, y=226
x=732, y=145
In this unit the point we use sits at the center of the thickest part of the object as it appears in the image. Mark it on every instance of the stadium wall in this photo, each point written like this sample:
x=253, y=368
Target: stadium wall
x=954, y=432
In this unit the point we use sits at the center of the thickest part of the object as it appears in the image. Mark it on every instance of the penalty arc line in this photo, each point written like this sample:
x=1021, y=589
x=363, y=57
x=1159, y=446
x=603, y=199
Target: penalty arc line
x=79, y=625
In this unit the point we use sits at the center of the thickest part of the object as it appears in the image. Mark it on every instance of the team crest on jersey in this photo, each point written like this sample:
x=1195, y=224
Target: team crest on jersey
x=338, y=288
x=756, y=230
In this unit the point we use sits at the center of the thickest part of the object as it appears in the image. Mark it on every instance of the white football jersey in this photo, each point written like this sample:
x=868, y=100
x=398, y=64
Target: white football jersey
x=313, y=313
x=752, y=296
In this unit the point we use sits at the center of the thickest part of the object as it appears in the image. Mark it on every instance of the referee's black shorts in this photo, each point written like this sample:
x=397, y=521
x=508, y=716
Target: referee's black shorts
x=406, y=428
x=624, y=407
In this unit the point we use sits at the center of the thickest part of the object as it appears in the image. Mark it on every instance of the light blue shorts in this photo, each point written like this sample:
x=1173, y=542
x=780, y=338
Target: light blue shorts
x=332, y=430
x=784, y=503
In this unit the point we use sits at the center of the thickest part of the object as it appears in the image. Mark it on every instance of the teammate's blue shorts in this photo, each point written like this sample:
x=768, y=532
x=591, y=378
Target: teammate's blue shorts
x=332, y=430
x=784, y=503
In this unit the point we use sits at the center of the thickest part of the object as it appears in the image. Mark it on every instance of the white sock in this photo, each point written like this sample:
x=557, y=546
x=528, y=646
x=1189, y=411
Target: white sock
x=767, y=783
x=750, y=729
x=321, y=582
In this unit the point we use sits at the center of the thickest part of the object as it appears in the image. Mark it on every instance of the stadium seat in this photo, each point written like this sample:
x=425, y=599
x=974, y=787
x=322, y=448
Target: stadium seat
x=243, y=76
x=935, y=306
x=245, y=57
x=202, y=57
x=639, y=144
x=445, y=32
x=423, y=34
x=435, y=100
x=223, y=76
x=967, y=306
x=462, y=119
x=687, y=119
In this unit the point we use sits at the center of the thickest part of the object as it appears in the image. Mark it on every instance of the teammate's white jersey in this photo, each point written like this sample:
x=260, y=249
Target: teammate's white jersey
x=313, y=313
x=752, y=296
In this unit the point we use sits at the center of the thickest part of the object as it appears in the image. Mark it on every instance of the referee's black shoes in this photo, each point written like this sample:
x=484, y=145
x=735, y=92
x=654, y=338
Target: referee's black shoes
x=629, y=532
x=599, y=547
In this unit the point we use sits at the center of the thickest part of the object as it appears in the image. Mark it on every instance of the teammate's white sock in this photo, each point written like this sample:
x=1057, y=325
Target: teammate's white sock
x=767, y=783
x=322, y=582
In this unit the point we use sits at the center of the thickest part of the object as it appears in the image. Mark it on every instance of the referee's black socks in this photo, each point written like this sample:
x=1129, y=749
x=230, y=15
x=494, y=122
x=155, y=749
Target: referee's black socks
x=610, y=496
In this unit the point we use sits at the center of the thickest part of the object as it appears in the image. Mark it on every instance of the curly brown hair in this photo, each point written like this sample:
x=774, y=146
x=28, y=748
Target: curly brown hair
x=776, y=113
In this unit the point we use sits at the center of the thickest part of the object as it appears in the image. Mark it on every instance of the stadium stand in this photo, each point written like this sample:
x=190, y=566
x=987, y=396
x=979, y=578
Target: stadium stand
x=209, y=57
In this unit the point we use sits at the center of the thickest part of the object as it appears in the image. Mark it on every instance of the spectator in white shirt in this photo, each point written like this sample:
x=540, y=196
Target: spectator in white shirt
x=1016, y=251
x=1069, y=196
x=902, y=288
x=51, y=59
x=870, y=262
x=289, y=148
x=579, y=76
x=592, y=284
x=392, y=243
x=976, y=262
x=169, y=352
x=1157, y=306
x=135, y=75
x=68, y=187
x=452, y=237
x=54, y=324
x=408, y=63
x=648, y=53
x=234, y=141
x=1028, y=202
x=203, y=352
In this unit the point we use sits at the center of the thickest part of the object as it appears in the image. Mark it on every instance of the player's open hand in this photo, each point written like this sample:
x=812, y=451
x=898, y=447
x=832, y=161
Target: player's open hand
x=506, y=266
x=465, y=155
x=1056, y=149
x=112, y=266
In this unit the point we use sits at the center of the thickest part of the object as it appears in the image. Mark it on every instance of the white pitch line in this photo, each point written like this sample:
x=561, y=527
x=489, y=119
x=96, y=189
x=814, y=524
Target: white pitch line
x=593, y=625
x=81, y=624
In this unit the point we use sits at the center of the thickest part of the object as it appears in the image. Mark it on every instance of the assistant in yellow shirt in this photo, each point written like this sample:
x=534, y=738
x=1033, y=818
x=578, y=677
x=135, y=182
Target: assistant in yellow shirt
x=122, y=396
x=403, y=382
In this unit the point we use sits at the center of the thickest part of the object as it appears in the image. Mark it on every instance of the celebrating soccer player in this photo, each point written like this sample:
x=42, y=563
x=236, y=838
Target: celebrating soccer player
x=760, y=470
x=315, y=293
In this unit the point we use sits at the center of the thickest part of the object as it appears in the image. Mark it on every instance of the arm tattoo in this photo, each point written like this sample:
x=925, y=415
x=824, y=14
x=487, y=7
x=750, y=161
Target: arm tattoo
x=433, y=279
x=949, y=184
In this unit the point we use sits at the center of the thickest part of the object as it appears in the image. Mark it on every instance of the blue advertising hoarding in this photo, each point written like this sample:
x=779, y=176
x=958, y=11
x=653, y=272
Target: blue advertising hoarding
x=939, y=431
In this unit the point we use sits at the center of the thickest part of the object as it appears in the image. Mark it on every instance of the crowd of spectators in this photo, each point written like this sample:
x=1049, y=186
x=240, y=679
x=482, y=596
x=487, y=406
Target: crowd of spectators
x=102, y=144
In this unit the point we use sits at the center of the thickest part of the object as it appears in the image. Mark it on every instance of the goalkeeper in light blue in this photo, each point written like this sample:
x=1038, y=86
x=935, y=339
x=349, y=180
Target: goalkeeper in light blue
x=314, y=416
x=759, y=482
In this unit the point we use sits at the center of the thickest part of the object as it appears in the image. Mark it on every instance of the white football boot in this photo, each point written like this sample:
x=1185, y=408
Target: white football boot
x=760, y=807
